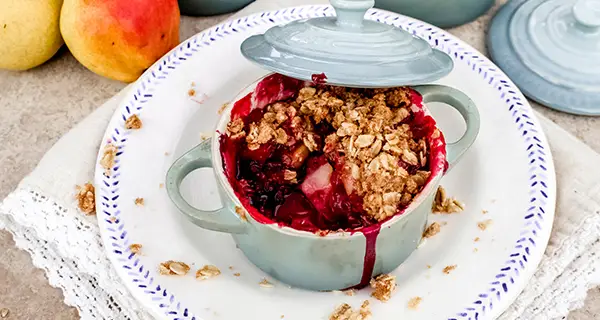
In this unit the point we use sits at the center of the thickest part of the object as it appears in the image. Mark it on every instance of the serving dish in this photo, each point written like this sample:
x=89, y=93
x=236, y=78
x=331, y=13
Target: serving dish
x=508, y=173
x=315, y=54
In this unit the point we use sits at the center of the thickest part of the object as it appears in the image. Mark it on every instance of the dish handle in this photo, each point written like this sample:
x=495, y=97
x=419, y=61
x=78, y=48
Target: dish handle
x=468, y=110
x=223, y=219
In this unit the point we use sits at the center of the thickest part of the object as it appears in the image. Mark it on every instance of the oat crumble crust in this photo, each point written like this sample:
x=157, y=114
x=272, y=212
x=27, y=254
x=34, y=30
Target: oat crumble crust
x=139, y=201
x=108, y=158
x=173, y=268
x=207, y=272
x=86, y=199
x=345, y=312
x=413, y=303
x=432, y=230
x=133, y=122
x=444, y=204
x=383, y=287
x=135, y=248
x=449, y=269
x=369, y=135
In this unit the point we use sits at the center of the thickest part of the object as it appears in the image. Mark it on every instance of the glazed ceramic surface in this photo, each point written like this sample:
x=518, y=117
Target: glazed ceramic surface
x=508, y=172
x=306, y=260
x=441, y=13
x=551, y=49
x=210, y=7
x=349, y=50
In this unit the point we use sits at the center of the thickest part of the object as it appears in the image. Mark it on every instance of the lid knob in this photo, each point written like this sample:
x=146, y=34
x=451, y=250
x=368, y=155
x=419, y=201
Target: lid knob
x=351, y=13
x=587, y=13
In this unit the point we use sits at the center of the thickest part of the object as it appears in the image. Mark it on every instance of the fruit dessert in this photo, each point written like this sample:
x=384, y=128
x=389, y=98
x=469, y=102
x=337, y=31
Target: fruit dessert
x=321, y=158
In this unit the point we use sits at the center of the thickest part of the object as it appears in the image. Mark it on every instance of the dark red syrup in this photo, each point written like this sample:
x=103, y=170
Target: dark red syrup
x=319, y=201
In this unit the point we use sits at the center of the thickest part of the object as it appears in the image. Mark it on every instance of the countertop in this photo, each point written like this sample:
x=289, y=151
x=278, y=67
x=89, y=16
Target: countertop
x=38, y=106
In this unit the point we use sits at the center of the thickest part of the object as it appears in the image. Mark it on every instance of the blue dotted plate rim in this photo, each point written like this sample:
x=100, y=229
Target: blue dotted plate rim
x=509, y=280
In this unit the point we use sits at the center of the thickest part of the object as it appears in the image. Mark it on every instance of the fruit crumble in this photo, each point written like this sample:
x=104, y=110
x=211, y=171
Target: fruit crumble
x=317, y=157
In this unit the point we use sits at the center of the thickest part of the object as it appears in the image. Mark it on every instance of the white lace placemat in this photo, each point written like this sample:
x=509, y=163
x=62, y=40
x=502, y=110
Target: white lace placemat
x=43, y=217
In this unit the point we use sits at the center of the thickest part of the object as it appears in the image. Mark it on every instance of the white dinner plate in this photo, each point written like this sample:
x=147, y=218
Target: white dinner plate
x=507, y=177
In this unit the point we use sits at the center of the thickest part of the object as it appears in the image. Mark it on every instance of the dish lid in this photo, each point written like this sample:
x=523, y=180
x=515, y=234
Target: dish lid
x=348, y=49
x=558, y=43
x=560, y=40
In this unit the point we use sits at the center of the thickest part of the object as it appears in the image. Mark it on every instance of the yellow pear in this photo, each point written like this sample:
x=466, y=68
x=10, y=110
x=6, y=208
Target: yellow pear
x=29, y=32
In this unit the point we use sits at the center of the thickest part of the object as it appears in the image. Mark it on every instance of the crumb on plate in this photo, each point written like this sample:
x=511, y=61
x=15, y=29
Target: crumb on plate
x=207, y=272
x=345, y=312
x=139, y=201
x=173, y=268
x=414, y=302
x=476, y=239
x=484, y=211
x=241, y=212
x=162, y=185
x=432, y=230
x=108, y=158
x=191, y=92
x=383, y=287
x=135, y=248
x=265, y=283
x=448, y=269
x=237, y=274
x=444, y=204
x=86, y=199
x=222, y=108
x=133, y=122
x=484, y=224
x=204, y=136
x=349, y=292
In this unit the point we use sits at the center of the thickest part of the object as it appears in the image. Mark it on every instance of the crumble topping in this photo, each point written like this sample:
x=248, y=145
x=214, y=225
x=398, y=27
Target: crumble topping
x=413, y=303
x=449, y=269
x=108, y=158
x=432, y=230
x=385, y=164
x=139, y=201
x=444, y=204
x=171, y=267
x=484, y=224
x=86, y=200
x=133, y=122
x=207, y=272
x=383, y=287
x=135, y=248
x=345, y=312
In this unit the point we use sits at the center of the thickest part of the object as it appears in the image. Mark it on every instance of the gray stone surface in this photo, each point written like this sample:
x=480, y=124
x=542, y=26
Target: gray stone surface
x=40, y=105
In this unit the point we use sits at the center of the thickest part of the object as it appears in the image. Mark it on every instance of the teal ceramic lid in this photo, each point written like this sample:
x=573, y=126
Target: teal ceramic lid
x=350, y=50
x=551, y=50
